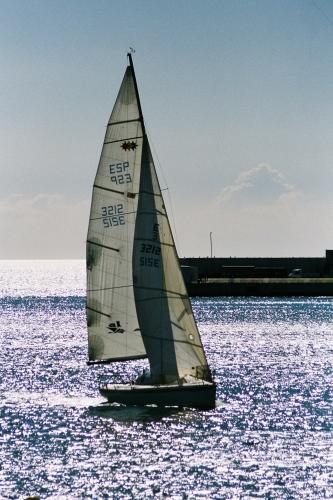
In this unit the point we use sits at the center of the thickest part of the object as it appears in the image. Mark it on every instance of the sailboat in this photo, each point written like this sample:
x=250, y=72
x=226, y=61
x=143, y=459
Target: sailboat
x=137, y=303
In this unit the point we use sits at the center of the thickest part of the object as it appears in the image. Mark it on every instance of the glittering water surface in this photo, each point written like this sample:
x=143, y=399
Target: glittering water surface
x=270, y=436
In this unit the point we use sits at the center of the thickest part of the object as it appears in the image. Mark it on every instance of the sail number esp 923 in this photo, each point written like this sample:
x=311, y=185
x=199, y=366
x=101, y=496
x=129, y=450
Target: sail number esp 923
x=119, y=173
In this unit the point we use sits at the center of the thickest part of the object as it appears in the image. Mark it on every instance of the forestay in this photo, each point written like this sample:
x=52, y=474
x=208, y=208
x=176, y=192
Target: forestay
x=113, y=329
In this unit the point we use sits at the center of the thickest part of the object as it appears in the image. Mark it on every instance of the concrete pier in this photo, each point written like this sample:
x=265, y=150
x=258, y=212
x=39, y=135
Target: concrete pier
x=269, y=287
x=259, y=276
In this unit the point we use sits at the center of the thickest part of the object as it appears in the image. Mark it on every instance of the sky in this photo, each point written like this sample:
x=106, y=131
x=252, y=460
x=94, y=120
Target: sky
x=237, y=98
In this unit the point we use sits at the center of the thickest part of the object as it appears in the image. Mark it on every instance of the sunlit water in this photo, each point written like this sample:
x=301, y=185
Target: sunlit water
x=271, y=435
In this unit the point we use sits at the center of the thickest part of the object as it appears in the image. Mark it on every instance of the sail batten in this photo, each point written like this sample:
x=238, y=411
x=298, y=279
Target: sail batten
x=124, y=121
x=102, y=246
x=108, y=189
x=124, y=139
x=98, y=312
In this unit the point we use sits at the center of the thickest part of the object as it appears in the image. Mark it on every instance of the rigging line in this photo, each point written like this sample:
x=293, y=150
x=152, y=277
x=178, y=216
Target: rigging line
x=173, y=220
x=165, y=189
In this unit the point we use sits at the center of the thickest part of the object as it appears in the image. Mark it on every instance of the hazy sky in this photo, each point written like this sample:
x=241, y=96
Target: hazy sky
x=237, y=97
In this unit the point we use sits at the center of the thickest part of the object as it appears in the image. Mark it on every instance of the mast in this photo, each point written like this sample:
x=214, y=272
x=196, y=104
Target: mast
x=129, y=55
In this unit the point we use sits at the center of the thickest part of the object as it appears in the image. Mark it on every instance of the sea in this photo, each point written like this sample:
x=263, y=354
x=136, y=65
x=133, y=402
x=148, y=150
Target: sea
x=270, y=435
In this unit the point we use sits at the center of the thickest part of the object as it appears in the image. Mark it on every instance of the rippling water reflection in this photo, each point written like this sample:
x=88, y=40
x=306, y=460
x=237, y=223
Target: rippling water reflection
x=269, y=437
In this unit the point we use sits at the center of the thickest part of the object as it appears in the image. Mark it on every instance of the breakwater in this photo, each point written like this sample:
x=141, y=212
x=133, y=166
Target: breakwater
x=269, y=287
x=259, y=276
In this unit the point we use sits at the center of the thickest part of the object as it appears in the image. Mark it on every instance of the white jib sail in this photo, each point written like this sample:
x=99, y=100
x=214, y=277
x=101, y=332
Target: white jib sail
x=113, y=328
x=168, y=327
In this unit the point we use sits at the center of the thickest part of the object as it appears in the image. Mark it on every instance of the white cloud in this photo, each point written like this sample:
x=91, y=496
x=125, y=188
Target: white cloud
x=262, y=181
x=289, y=224
x=245, y=222
x=42, y=226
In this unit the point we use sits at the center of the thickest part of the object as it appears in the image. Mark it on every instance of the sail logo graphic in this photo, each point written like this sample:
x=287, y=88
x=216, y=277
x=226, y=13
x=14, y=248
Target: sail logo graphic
x=115, y=327
x=129, y=145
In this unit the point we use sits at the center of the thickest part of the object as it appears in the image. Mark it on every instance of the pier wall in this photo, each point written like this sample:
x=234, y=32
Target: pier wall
x=266, y=276
x=306, y=287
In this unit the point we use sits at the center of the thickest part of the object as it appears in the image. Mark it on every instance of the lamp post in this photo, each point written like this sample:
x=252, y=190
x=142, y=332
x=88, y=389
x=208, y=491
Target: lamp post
x=211, y=244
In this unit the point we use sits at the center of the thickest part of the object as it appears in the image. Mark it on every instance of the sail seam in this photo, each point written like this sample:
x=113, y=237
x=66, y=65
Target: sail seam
x=174, y=340
x=181, y=295
x=154, y=241
x=151, y=193
x=103, y=217
x=109, y=288
x=182, y=315
x=178, y=326
x=152, y=213
x=103, y=246
x=125, y=139
x=124, y=121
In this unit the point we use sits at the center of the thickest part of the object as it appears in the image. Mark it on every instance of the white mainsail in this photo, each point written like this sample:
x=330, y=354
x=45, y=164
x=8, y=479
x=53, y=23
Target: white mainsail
x=113, y=329
x=137, y=302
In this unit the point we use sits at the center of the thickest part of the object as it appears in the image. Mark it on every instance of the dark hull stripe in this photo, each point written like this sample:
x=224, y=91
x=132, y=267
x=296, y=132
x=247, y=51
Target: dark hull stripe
x=159, y=388
x=196, y=396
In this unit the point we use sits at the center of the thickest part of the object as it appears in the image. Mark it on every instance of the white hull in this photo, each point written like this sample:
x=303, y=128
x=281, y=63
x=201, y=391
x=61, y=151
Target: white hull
x=193, y=395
